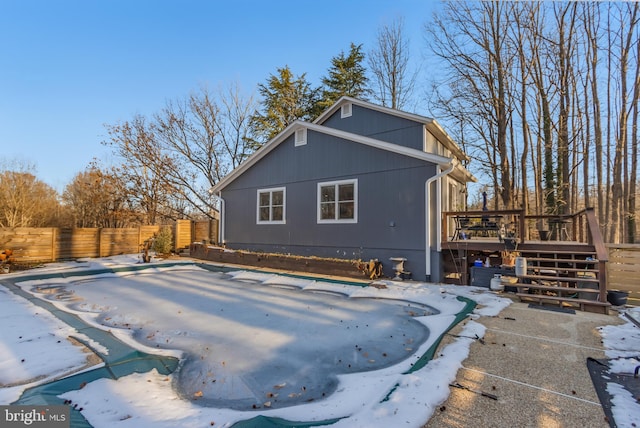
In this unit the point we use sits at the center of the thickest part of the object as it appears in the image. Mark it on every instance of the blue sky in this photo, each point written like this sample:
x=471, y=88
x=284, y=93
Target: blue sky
x=67, y=67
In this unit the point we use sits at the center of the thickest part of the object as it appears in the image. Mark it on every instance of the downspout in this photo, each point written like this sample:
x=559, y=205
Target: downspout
x=427, y=216
x=221, y=225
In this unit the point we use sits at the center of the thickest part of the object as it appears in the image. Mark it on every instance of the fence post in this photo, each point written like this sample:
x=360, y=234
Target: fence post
x=54, y=256
x=100, y=242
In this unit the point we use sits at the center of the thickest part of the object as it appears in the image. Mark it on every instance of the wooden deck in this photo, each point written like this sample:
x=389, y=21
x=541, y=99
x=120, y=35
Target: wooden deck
x=569, y=269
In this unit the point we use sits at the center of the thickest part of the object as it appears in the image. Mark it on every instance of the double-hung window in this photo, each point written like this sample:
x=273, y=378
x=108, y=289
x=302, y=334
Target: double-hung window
x=338, y=202
x=271, y=206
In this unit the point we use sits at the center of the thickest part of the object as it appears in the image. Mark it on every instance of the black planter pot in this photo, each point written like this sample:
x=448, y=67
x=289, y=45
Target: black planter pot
x=617, y=297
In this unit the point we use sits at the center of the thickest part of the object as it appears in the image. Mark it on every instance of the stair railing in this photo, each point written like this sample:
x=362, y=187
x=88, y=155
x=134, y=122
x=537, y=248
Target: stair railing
x=595, y=239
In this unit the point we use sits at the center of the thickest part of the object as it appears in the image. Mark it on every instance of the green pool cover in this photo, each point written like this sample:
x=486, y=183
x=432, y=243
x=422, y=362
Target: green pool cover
x=123, y=360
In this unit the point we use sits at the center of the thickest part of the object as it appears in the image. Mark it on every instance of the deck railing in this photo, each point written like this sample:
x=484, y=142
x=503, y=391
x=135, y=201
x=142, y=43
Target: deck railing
x=580, y=227
x=497, y=224
x=486, y=224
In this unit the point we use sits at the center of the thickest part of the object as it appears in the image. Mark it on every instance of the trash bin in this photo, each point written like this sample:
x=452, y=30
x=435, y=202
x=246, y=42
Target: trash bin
x=521, y=266
x=586, y=295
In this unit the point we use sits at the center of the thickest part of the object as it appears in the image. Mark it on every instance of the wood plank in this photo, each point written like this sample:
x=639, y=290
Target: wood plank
x=182, y=234
x=633, y=247
x=625, y=260
x=626, y=252
x=626, y=266
x=623, y=270
x=584, y=305
x=561, y=299
x=571, y=261
x=560, y=278
x=623, y=283
x=567, y=269
x=520, y=285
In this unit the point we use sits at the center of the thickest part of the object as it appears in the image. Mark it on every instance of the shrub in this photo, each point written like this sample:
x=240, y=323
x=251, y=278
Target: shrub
x=163, y=242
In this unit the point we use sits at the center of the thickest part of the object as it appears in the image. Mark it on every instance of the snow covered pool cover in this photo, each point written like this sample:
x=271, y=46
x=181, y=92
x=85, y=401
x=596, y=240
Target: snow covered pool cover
x=252, y=340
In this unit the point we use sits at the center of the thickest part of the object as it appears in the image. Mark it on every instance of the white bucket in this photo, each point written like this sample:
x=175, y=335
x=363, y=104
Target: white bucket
x=496, y=283
x=521, y=266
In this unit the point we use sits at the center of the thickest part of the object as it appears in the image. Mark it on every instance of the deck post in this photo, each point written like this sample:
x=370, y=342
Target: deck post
x=521, y=225
x=602, y=276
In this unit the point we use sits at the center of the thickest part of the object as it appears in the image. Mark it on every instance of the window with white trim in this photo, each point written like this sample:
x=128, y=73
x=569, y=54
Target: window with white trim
x=338, y=202
x=300, y=137
x=271, y=206
x=346, y=110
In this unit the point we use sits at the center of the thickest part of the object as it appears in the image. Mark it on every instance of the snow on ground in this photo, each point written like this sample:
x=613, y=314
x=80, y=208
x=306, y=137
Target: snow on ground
x=622, y=343
x=29, y=337
x=297, y=348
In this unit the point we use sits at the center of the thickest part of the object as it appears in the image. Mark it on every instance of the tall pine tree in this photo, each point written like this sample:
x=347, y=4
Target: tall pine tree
x=285, y=99
x=347, y=77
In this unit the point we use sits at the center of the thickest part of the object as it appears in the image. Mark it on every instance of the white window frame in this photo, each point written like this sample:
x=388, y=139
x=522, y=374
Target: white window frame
x=346, y=110
x=300, y=137
x=336, y=185
x=271, y=191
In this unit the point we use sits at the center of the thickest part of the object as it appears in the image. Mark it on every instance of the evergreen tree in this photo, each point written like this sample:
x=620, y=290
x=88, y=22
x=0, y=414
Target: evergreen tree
x=285, y=99
x=347, y=77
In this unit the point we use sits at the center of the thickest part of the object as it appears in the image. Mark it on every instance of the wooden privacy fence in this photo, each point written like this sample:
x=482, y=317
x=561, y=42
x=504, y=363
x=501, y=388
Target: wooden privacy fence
x=31, y=244
x=624, y=270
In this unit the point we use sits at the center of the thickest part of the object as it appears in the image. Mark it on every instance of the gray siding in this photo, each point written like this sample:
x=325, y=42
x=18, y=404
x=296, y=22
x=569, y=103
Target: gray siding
x=390, y=203
x=380, y=126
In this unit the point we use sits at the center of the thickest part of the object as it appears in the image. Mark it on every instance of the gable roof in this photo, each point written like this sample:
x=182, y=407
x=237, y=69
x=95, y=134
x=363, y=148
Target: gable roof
x=316, y=126
x=432, y=126
x=367, y=141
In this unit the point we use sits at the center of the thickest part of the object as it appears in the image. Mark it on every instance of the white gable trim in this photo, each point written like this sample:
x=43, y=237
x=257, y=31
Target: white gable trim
x=430, y=123
x=367, y=141
x=383, y=145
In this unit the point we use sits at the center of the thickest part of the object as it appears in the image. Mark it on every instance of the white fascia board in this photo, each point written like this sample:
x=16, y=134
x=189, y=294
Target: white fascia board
x=257, y=155
x=382, y=145
x=432, y=125
x=386, y=110
x=463, y=175
x=442, y=136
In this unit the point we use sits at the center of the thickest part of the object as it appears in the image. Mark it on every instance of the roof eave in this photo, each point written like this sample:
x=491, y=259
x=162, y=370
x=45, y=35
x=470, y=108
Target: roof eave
x=256, y=156
x=432, y=125
x=443, y=161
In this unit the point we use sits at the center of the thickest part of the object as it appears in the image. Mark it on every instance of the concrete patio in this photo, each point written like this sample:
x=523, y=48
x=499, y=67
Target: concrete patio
x=534, y=362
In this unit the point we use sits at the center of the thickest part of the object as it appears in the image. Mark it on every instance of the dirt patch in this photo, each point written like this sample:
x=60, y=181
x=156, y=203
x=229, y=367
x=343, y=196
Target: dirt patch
x=92, y=358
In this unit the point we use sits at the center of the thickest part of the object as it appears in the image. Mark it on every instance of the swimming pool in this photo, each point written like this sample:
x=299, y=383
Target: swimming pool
x=251, y=340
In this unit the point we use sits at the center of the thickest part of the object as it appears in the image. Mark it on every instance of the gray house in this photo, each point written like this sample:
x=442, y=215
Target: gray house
x=360, y=182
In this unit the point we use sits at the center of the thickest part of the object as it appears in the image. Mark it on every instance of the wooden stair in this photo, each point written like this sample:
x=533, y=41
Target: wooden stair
x=565, y=278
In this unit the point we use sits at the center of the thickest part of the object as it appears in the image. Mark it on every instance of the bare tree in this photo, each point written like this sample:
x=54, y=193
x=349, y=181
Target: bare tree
x=633, y=175
x=569, y=82
x=471, y=39
x=26, y=201
x=389, y=63
x=174, y=159
x=236, y=111
x=98, y=198
x=525, y=44
x=591, y=24
x=142, y=168
x=627, y=37
x=565, y=22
